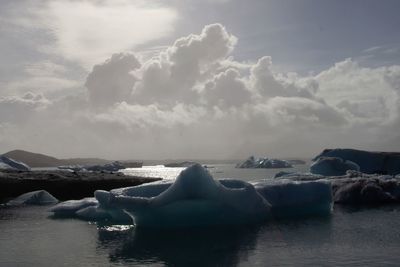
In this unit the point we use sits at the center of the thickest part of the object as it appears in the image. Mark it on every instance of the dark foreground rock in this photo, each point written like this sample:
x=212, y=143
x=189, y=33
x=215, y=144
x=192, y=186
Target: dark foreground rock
x=64, y=184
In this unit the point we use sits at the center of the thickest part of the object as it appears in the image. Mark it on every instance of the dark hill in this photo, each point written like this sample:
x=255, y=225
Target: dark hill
x=39, y=160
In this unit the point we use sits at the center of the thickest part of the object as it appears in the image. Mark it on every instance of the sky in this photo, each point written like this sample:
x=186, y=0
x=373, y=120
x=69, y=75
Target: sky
x=176, y=79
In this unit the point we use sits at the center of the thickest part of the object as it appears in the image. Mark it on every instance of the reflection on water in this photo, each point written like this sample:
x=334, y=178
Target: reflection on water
x=216, y=170
x=359, y=236
x=189, y=247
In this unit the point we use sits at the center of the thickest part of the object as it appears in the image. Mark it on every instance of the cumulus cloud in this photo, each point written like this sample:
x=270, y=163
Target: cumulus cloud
x=172, y=75
x=112, y=81
x=194, y=100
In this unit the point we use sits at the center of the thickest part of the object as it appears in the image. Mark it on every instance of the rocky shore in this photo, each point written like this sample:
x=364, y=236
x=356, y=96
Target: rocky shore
x=64, y=184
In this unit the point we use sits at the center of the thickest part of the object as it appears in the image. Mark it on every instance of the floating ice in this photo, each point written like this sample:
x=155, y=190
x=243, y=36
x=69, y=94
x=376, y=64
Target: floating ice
x=330, y=166
x=108, y=167
x=366, y=191
x=194, y=199
x=266, y=163
x=70, y=207
x=7, y=163
x=40, y=197
x=356, y=188
x=296, y=199
x=369, y=162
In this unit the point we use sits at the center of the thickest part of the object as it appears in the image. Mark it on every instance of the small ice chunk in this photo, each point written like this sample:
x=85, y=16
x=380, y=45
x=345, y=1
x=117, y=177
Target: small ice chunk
x=70, y=207
x=40, y=197
x=93, y=213
x=331, y=166
x=99, y=213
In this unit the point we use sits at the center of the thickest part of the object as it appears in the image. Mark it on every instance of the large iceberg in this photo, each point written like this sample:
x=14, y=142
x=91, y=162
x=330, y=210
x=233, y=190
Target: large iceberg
x=265, y=163
x=194, y=198
x=356, y=188
x=40, y=197
x=297, y=198
x=10, y=164
x=331, y=166
x=369, y=162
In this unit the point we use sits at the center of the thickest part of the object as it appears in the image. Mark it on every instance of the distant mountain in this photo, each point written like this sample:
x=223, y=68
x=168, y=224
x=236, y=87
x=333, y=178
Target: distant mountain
x=39, y=160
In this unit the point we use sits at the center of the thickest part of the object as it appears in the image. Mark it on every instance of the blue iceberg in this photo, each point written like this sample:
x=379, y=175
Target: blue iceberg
x=195, y=199
x=40, y=197
x=264, y=163
x=10, y=164
x=369, y=162
x=331, y=166
x=70, y=207
x=291, y=199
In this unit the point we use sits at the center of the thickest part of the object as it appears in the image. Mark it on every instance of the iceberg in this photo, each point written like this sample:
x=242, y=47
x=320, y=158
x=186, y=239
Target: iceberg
x=40, y=197
x=193, y=199
x=10, y=164
x=89, y=209
x=331, y=166
x=70, y=207
x=108, y=167
x=265, y=163
x=369, y=162
x=366, y=191
x=290, y=199
x=355, y=188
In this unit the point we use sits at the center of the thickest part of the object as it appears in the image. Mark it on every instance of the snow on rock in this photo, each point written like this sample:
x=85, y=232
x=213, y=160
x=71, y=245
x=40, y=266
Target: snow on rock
x=266, y=163
x=40, y=197
x=331, y=166
x=369, y=162
x=291, y=199
x=10, y=164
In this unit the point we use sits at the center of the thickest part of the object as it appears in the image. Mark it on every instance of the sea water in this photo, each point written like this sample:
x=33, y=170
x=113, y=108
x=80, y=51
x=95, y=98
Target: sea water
x=216, y=170
x=350, y=236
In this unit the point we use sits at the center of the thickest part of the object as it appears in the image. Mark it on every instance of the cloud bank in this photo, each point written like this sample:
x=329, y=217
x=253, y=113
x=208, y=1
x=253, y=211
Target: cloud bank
x=193, y=100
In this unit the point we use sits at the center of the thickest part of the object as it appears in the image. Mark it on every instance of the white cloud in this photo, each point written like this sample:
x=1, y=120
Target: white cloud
x=112, y=81
x=89, y=31
x=41, y=77
x=368, y=93
x=15, y=109
x=194, y=100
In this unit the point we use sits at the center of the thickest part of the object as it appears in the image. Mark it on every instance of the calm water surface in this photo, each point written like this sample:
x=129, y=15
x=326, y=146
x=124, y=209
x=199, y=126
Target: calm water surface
x=217, y=171
x=357, y=237
x=363, y=237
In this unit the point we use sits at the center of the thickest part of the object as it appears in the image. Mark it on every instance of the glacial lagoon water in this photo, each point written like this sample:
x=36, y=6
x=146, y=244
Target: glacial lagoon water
x=350, y=236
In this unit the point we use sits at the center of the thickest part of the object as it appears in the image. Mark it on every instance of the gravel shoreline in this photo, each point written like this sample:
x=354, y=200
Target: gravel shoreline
x=64, y=185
